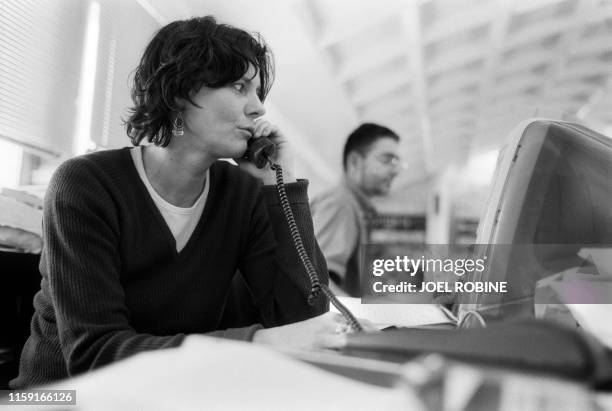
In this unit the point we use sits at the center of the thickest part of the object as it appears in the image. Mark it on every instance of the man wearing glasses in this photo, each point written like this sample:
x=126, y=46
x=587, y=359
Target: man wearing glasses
x=341, y=215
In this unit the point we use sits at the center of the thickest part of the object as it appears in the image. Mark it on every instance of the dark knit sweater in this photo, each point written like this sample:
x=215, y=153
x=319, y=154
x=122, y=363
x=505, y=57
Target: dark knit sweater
x=113, y=283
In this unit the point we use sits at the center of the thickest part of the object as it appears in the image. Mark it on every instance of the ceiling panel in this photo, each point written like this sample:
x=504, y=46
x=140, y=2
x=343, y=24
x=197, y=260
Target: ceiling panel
x=450, y=76
x=470, y=58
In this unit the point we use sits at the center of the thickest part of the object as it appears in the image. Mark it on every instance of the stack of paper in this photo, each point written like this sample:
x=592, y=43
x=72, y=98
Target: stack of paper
x=17, y=213
x=20, y=221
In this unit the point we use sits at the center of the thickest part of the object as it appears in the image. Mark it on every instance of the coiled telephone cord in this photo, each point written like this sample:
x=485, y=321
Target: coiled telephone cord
x=316, y=285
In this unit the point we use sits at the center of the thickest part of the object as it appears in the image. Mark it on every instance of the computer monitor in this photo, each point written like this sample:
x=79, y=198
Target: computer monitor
x=551, y=196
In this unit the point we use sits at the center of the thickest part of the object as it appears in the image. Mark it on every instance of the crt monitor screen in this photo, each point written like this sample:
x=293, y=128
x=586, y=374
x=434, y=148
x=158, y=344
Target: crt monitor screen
x=551, y=196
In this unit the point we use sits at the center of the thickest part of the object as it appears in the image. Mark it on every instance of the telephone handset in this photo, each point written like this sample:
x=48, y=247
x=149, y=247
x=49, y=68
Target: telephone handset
x=260, y=152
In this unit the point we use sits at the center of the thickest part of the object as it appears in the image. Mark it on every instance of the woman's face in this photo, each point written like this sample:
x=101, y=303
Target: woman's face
x=223, y=123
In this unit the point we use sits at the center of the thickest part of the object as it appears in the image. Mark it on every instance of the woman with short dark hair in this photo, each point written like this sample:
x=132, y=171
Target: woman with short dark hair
x=141, y=244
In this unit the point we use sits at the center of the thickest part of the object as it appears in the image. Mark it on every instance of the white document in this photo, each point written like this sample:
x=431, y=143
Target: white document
x=20, y=215
x=207, y=373
x=601, y=257
x=573, y=289
x=595, y=318
x=400, y=315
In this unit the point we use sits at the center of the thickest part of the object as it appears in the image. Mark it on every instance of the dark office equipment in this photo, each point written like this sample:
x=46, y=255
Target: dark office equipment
x=527, y=345
x=20, y=280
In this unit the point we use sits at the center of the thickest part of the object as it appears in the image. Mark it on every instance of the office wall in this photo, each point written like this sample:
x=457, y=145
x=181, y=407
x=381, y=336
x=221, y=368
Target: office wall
x=125, y=30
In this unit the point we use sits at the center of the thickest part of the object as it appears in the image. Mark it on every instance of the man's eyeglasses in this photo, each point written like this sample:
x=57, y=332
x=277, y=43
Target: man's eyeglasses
x=390, y=160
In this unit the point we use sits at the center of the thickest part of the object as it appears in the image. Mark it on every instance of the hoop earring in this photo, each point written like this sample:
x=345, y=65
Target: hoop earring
x=177, y=125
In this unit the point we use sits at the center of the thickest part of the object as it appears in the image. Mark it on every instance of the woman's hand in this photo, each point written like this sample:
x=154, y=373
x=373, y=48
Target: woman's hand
x=282, y=156
x=325, y=331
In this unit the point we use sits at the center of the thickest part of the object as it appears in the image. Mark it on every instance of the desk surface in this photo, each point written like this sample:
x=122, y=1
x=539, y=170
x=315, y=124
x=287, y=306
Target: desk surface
x=214, y=373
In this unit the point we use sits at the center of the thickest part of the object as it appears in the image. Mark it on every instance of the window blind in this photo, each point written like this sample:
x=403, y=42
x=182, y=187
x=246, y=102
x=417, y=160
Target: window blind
x=41, y=52
x=40, y=47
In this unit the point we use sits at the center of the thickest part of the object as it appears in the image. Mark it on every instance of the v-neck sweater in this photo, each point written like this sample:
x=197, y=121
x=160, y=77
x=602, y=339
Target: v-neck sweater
x=113, y=283
x=181, y=220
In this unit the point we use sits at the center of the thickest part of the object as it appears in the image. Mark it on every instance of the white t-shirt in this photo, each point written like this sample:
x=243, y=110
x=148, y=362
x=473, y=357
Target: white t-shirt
x=181, y=221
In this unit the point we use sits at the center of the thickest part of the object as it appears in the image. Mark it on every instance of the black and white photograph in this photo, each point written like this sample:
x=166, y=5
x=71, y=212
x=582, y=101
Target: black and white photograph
x=306, y=204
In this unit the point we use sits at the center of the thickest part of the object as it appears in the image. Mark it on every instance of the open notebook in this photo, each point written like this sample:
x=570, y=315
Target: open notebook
x=399, y=315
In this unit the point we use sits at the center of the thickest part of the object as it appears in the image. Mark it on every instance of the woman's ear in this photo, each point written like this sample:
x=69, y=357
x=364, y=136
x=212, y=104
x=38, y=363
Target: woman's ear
x=180, y=103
